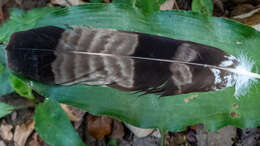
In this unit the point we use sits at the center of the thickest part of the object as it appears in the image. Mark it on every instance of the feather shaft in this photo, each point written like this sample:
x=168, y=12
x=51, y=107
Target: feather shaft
x=233, y=70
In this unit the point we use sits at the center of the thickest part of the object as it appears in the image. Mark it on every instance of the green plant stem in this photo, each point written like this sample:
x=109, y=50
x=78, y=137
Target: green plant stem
x=134, y=3
x=24, y=107
x=163, y=135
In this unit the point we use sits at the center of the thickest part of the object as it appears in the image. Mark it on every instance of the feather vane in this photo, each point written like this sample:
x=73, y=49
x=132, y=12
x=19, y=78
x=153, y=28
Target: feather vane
x=126, y=61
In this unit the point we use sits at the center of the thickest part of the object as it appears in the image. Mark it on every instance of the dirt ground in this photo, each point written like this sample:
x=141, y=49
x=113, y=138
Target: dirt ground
x=17, y=129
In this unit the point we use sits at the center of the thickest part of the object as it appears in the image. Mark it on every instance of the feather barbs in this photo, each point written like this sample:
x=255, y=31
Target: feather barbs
x=126, y=61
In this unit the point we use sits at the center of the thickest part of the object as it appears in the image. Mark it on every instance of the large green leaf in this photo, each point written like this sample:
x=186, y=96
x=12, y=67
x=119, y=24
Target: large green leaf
x=214, y=109
x=5, y=87
x=53, y=125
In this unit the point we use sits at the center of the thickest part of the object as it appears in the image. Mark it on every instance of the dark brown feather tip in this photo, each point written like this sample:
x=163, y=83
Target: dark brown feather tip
x=123, y=60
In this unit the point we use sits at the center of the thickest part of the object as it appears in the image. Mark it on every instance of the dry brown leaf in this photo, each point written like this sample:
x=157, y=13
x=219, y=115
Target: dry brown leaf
x=2, y=143
x=36, y=140
x=34, y=143
x=2, y=15
x=73, y=113
x=222, y=137
x=2, y=3
x=22, y=132
x=193, y=127
x=242, y=9
x=167, y=5
x=6, y=131
x=219, y=4
x=76, y=115
x=251, y=18
x=179, y=139
x=156, y=133
x=118, y=130
x=139, y=132
x=107, y=1
x=257, y=27
x=67, y=2
x=99, y=126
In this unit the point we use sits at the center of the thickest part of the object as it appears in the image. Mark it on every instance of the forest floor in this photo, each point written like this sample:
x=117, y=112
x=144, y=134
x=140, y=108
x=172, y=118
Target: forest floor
x=17, y=129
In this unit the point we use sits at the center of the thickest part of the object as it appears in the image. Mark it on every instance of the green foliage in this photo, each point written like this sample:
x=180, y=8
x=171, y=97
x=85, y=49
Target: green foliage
x=203, y=6
x=21, y=87
x=112, y=143
x=146, y=6
x=214, y=109
x=149, y=6
x=5, y=87
x=96, y=1
x=5, y=109
x=30, y=20
x=53, y=125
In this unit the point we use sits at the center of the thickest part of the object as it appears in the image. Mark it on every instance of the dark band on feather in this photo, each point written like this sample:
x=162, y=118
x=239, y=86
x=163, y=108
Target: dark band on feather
x=27, y=57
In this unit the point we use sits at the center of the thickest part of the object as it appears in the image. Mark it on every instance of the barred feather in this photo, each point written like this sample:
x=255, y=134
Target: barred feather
x=123, y=60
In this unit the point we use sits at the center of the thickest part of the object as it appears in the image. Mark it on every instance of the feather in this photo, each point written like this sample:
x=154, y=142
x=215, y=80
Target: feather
x=127, y=61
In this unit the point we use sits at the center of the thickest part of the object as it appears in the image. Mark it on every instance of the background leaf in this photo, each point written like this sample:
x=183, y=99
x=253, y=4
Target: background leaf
x=5, y=109
x=5, y=87
x=30, y=20
x=96, y=1
x=203, y=6
x=53, y=125
x=112, y=143
x=214, y=109
x=149, y=6
x=146, y=6
x=21, y=87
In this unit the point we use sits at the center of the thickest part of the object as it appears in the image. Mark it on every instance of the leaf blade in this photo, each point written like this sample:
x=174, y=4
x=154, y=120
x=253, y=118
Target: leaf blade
x=53, y=125
x=5, y=109
x=4, y=74
x=214, y=109
x=21, y=87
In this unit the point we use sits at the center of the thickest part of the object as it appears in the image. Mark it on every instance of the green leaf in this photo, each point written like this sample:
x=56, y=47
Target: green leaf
x=11, y=83
x=148, y=6
x=129, y=2
x=5, y=87
x=5, y=109
x=203, y=6
x=96, y=1
x=112, y=142
x=21, y=87
x=214, y=109
x=53, y=125
x=30, y=20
